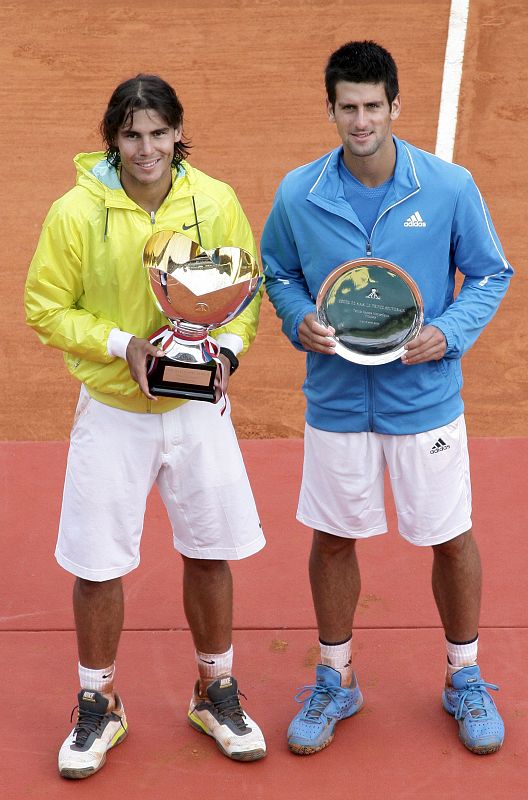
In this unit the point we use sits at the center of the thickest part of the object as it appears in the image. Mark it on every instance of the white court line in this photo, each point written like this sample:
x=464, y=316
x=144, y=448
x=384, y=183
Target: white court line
x=454, y=59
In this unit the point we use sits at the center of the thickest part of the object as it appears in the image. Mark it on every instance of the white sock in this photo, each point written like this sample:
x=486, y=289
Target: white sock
x=339, y=657
x=97, y=680
x=461, y=655
x=214, y=665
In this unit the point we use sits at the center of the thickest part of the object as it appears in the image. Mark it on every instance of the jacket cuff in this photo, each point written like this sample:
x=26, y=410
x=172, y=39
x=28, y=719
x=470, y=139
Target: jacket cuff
x=295, y=327
x=231, y=341
x=451, y=350
x=117, y=342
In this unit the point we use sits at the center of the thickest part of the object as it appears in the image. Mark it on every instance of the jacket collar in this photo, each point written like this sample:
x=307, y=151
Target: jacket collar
x=327, y=189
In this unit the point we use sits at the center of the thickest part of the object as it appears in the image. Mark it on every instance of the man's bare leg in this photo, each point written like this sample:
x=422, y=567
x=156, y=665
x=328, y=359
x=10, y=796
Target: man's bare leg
x=457, y=585
x=335, y=581
x=99, y=611
x=208, y=603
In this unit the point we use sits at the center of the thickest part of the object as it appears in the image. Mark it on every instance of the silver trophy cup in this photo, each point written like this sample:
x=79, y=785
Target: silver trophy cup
x=197, y=290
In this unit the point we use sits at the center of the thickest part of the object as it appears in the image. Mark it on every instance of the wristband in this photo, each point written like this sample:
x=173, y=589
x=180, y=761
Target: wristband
x=231, y=357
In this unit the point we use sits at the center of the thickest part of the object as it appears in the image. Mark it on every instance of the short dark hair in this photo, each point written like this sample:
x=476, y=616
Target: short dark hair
x=134, y=94
x=361, y=62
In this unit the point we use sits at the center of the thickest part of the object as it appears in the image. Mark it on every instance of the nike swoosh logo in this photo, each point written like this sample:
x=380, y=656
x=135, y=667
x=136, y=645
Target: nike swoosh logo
x=187, y=227
x=205, y=661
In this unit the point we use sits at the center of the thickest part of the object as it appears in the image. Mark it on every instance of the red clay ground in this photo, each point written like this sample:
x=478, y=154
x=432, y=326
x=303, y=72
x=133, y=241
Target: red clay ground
x=402, y=746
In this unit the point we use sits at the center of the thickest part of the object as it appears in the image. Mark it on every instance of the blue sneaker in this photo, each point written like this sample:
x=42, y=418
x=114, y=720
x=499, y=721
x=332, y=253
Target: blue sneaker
x=481, y=728
x=312, y=728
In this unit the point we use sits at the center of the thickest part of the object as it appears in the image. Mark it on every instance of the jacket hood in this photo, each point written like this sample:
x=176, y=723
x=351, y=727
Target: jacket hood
x=100, y=178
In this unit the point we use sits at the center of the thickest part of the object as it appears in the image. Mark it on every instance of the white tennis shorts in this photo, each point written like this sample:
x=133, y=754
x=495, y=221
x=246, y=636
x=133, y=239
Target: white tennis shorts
x=115, y=457
x=342, y=490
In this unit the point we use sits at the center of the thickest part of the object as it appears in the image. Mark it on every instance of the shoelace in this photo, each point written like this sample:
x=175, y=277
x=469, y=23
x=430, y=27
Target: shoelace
x=230, y=708
x=473, y=698
x=321, y=697
x=87, y=722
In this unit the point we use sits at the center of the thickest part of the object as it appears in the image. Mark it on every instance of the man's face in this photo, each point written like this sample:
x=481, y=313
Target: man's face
x=146, y=148
x=363, y=117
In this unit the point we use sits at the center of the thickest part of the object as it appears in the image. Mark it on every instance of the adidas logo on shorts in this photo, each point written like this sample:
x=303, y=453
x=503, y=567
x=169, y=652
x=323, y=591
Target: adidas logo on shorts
x=415, y=221
x=439, y=446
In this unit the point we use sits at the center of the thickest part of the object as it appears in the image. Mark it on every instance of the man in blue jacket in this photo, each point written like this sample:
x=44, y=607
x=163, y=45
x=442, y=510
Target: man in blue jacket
x=376, y=196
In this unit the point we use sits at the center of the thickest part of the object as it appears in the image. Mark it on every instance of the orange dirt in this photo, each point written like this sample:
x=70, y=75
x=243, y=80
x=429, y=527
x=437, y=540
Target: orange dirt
x=250, y=78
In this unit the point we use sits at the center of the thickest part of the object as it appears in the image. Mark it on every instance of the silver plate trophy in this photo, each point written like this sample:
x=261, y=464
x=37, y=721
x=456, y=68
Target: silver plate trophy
x=197, y=290
x=374, y=307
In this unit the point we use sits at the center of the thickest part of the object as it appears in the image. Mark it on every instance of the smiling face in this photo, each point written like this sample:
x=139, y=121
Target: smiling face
x=364, y=118
x=146, y=148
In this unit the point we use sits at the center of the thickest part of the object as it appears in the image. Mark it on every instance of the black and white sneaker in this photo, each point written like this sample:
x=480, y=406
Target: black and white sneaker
x=96, y=732
x=222, y=717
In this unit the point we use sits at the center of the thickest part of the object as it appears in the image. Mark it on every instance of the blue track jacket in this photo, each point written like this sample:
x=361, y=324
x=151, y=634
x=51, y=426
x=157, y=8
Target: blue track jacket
x=312, y=229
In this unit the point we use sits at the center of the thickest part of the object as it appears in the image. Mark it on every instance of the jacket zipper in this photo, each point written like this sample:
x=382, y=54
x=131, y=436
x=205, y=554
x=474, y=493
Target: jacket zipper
x=370, y=379
x=370, y=373
x=153, y=223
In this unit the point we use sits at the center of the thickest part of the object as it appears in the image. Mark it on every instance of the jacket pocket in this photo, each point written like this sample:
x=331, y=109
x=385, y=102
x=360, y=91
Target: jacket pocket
x=404, y=389
x=335, y=384
x=443, y=366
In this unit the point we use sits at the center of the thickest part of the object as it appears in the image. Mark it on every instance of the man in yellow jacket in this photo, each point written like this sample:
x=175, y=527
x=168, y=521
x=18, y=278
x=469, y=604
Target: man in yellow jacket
x=87, y=294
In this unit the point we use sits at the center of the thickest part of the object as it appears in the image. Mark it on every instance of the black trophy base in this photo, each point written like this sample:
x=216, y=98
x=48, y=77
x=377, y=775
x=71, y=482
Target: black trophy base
x=170, y=378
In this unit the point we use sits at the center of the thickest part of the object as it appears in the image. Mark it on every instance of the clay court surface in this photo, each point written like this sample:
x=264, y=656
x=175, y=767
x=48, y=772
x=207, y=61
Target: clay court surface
x=249, y=75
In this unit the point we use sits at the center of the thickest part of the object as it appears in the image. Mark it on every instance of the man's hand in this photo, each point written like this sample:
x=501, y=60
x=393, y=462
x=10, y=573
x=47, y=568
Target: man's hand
x=222, y=377
x=314, y=336
x=430, y=345
x=136, y=356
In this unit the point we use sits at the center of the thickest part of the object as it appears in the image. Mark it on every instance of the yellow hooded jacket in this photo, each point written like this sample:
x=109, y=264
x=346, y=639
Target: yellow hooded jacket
x=87, y=276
